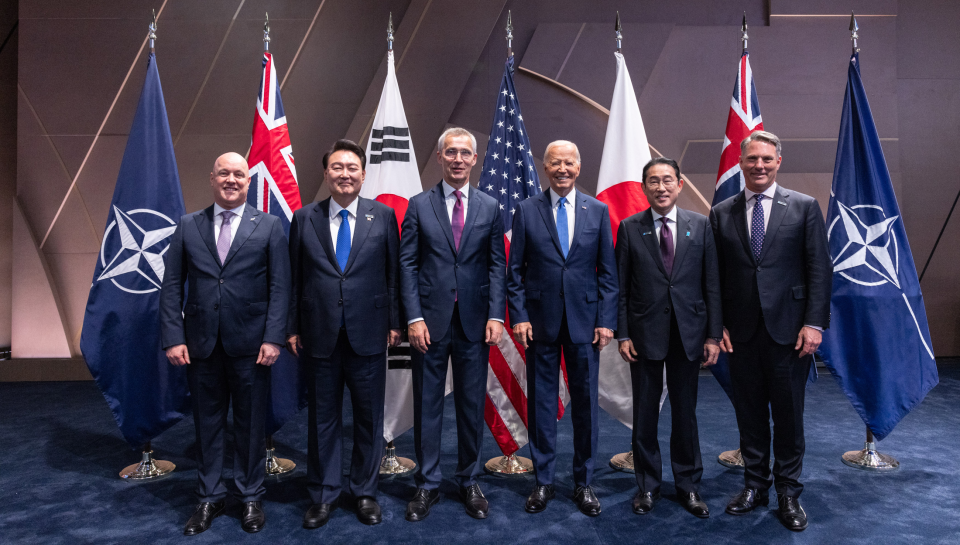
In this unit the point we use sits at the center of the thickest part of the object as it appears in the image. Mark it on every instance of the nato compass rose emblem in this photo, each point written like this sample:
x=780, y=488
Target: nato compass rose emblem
x=138, y=261
x=870, y=257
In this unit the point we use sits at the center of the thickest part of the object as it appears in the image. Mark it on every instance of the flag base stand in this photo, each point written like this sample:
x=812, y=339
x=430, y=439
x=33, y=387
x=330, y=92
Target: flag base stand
x=731, y=459
x=509, y=465
x=393, y=465
x=277, y=466
x=148, y=468
x=869, y=459
x=623, y=462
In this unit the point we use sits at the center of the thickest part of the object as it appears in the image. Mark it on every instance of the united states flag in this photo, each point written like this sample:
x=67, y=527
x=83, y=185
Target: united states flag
x=274, y=190
x=510, y=176
x=744, y=118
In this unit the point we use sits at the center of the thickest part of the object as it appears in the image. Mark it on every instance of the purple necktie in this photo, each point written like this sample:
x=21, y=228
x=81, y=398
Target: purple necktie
x=666, y=246
x=457, y=220
x=756, y=228
x=223, y=241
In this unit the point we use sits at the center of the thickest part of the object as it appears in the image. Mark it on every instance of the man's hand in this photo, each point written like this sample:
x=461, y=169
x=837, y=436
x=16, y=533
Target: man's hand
x=178, y=355
x=726, y=345
x=293, y=343
x=393, y=338
x=494, y=332
x=269, y=353
x=602, y=336
x=523, y=333
x=808, y=341
x=711, y=351
x=627, y=352
x=419, y=336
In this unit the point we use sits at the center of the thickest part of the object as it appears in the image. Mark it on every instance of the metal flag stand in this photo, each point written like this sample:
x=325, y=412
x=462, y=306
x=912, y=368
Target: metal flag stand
x=148, y=468
x=869, y=459
x=509, y=464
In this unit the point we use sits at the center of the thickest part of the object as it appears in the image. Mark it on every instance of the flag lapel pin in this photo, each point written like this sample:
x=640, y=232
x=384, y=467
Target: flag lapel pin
x=645, y=233
x=369, y=217
x=781, y=203
x=688, y=233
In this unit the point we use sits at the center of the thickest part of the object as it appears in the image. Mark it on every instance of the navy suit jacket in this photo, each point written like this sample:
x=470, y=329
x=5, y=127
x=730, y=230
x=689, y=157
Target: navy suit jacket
x=242, y=300
x=433, y=272
x=648, y=296
x=364, y=294
x=542, y=285
x=790, y=284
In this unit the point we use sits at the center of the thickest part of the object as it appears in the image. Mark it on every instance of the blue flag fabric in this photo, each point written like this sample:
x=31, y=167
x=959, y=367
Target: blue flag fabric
x=878, y=345
x=121, y=328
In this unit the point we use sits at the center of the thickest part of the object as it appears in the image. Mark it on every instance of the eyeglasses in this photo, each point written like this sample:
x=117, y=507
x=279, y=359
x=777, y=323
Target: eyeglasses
x=667, y=183
x=452, y=153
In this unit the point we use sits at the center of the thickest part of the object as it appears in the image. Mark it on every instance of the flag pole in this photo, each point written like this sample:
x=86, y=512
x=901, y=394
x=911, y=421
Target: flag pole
x=274, y=466
x=509, y=464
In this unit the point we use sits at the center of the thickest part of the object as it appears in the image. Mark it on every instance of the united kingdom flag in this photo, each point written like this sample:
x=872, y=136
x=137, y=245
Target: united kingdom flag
x=274, y=190
x=744, y=118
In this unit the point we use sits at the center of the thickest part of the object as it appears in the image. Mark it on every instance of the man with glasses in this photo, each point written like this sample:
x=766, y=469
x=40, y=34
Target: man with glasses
x=669, y=317
x=452, y=269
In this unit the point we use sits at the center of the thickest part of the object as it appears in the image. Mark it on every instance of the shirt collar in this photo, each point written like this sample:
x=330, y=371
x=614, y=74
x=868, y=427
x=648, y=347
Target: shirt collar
x=336, y=208
x=217, y=210
x=554, y=198
x=671, y=215
x=448, y=189
x=769, y=193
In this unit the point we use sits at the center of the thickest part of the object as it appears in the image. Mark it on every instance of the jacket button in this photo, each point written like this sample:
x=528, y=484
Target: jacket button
x=340, y=302
x=215, y=307
x=666, y=310
x=561, y=294
x=221, y=280
x=457, y=266
x=564, y=268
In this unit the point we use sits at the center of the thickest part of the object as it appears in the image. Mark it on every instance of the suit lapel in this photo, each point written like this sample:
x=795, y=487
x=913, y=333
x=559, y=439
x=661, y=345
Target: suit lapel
x=248, y=222
x=204, y=224
x=648, y=234
x=777, y=212
x=440, y=209
x=546, y=213
x=683, y=241
x=365, y=219
x=320, y=218
x=473, y=208
x=580, y=211
x=740, y=222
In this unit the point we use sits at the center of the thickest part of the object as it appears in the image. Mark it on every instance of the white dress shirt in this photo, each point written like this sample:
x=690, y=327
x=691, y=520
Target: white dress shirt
x=671, y=219
x=451, y=200
x=234, y=221
x=571, y=211
x=336, y=220
x=766, y=203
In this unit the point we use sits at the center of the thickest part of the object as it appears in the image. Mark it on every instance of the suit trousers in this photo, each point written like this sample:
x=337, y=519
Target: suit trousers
x=770, y=378
x=469, y=363
x=543, y=388
x=215, y=381
x=683, y=377
x=365, y=376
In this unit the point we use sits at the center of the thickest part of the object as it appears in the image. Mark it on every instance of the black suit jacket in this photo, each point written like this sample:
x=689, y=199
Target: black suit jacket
x=648, y=295
x=433, y=272
x=791, y=282
x=364, y=294
x=242, y=300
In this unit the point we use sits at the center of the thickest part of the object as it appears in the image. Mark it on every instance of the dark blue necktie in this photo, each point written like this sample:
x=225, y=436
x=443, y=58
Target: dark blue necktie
x=343, y=240
x=756, y=228
x=563, y=229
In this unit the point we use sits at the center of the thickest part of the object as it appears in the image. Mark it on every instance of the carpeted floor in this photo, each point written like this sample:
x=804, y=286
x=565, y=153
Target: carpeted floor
x=60, y=453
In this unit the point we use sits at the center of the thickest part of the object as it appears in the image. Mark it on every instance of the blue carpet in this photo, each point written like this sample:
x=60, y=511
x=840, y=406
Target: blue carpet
x=60, y=452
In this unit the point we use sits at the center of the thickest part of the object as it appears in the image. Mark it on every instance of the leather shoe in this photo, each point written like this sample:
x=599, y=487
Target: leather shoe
x=692, y=502
x=317, y=515
x=747, y=500
x=368, y=511
x=643, y=502
x=419, y=506
x=537, y=500
x=203, y=517
x=792, y=516
x=474, y=502
x=253, y=519
x=587, y=501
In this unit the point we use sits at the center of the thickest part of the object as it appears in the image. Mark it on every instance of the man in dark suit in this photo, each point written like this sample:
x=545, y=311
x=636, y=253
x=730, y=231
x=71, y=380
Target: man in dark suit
x=775, y=278
x=452, y=270
x=562, y=291
x=229, y=333
x=344, y=313
x=669, y=316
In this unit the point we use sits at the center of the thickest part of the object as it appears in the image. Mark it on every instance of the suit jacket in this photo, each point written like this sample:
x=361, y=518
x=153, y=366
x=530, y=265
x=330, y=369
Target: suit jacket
x=648, y=295
x=364, y=294
x=791, y=282
x=542, y=285
x=433, y=272
x=242, y=300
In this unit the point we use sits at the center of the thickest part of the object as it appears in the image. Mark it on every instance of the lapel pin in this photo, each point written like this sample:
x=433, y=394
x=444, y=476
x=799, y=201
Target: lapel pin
x=584, y=207
x=253, y=219
x=645, y=233
x=369, y=217
x=688, y=233
x=782, y=203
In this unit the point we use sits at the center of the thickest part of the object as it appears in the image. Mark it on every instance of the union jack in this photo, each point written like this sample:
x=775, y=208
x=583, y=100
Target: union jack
x=744, y=118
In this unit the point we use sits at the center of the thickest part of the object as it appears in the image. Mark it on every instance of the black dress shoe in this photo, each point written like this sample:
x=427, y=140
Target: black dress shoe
x=692, y=502
x=253, y=519
x=474, y=502
x=203, y=517
x=537, y=500
x=419, y=506
x=368, y=511
x=643, y=502
x=317, y=515
x=587, y=501
x=792, y=516
x=747, y=500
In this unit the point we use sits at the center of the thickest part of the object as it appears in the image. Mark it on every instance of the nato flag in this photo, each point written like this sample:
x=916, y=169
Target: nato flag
x=121, y=330
x=878, y=345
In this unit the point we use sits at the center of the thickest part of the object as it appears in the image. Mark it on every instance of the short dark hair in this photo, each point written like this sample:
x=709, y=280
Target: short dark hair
x=346, y=145
x=661, y=161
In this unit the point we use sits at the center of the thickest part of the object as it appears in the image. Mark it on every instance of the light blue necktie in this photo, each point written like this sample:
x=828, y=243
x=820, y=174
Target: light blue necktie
x=343, y=240
x=562, y=228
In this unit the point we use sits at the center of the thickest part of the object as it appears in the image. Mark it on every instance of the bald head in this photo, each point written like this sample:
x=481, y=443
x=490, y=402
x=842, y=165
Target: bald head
x=230, y=180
